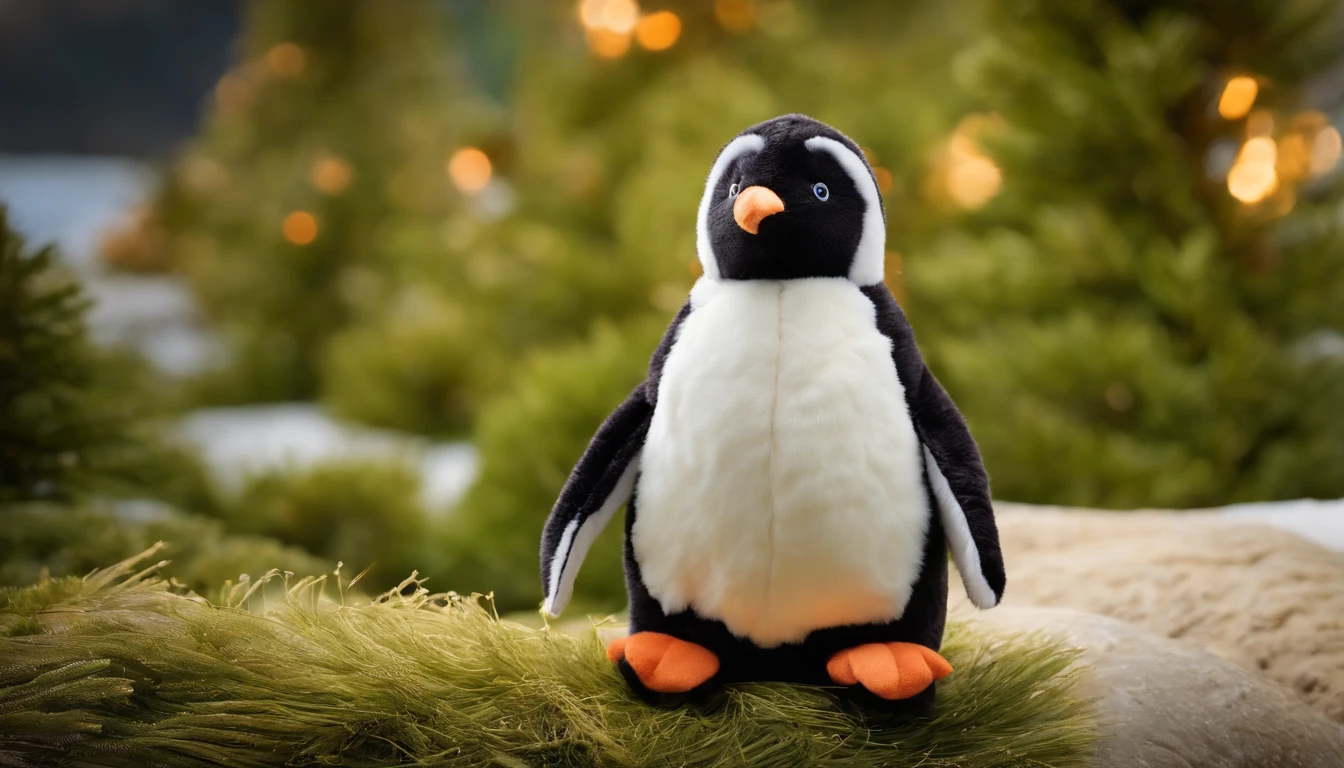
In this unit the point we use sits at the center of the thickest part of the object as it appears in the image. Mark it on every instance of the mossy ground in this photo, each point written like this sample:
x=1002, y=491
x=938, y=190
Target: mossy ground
x=119, y=670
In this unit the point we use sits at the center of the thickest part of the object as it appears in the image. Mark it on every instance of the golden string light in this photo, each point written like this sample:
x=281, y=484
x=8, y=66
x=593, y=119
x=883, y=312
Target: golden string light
x=299, y=228
x=658, y=31
x=1254, y=177
x=1238, y=97
x=610, y=26
x=286, y=60
x=470, y=169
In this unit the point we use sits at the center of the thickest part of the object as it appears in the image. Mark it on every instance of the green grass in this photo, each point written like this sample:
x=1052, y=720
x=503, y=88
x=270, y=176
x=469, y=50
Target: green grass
x=118, y=670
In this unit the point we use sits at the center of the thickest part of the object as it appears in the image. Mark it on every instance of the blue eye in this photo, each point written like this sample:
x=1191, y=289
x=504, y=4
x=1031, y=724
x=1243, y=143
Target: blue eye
x=823, y=194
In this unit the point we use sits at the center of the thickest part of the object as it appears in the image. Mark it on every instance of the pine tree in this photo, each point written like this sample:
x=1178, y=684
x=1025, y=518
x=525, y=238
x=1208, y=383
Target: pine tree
x=1150, y=311
x=75, y=420
x=319, y=175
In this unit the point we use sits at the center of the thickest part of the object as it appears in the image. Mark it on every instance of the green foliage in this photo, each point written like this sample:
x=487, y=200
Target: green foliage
x=125, y=673
x=363, y=513
x=39, y=541
x=75, y=419
x=414, y=367
x=1117, y=328
x=528, y=441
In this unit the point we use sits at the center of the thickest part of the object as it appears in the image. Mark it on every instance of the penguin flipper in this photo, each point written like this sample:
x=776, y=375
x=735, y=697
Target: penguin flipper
x=599, y=484
x=951, y=459
x=961, y=489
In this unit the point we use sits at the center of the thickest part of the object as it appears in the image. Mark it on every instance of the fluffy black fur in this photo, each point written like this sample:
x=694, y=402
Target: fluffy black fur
x=943, y=429
x=810, y=238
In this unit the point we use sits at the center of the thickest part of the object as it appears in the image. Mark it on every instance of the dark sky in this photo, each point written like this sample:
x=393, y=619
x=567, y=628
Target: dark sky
x=121, y=77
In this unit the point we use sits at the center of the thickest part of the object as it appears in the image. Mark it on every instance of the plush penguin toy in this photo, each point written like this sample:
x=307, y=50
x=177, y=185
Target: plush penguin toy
x=793, y=471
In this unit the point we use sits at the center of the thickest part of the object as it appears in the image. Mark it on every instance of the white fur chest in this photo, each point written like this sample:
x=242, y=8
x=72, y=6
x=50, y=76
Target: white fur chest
x=780, y=487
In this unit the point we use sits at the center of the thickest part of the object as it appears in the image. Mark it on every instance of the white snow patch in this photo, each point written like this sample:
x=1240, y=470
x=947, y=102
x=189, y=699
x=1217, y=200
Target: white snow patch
x=237, y=443
x=156, y=315
x=1313, y=520
x=72, y=200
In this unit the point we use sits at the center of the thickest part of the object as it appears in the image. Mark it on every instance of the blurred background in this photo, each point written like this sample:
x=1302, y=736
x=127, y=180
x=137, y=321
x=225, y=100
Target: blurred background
x=291, y=282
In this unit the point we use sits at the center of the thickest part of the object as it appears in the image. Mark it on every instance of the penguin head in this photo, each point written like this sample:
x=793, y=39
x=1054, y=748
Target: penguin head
x=788, y=198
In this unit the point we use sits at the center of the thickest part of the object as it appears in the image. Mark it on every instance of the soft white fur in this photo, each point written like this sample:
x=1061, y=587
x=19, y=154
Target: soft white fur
x=780, y=486
x=736, y=148
x=868, y=265
x=578, y=538
x=959, y=540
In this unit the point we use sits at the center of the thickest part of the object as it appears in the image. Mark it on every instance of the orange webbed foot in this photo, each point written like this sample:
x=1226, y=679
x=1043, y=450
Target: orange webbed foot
x=889, y=670
x=663, y=663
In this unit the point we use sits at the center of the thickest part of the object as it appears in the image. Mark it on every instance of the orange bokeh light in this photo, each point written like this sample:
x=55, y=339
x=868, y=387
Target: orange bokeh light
x=607, y=44
x=286, y=60
x=658, y=31
x=735, y=15
x=1238, y=97
x=299, y=228
x=470, y=169
x=884, y=179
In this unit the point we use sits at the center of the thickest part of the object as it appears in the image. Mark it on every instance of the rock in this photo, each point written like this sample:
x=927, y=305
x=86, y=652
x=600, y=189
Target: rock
x=1262, y=598
x=1164, y=703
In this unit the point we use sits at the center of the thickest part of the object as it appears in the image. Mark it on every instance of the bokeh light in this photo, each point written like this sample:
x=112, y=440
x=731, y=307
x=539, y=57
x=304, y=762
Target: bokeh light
x=1254, y=177
x=607, y=44
x=1260, y=123
x=1325, y=150
x=618, y=16
x=331, y=175
x=470, y=169
x=286, y=60
x=234, y=93
x=1238, y=97
x=735, y=15
x=300, y=228
x=658, y=31
x=972, y=179
x=884, y=179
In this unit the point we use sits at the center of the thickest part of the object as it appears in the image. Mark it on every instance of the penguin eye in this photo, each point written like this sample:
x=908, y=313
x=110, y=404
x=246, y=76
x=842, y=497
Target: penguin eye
x=732, y=190
x=823, y=194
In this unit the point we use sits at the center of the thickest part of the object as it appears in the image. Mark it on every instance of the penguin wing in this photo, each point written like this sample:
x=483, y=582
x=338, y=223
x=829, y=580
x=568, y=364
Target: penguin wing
x=951, y=459
x=600, y=483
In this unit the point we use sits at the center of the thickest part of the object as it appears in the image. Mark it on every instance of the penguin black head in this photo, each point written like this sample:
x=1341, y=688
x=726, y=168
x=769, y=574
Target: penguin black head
x=788, y=198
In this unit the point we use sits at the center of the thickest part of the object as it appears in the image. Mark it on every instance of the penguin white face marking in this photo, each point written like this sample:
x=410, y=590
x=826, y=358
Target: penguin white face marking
x=791, y=198
x=868, y=265
x=735, y=149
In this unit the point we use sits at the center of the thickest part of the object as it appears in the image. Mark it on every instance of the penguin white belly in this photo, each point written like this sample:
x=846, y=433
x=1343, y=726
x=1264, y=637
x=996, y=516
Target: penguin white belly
x=781, y=484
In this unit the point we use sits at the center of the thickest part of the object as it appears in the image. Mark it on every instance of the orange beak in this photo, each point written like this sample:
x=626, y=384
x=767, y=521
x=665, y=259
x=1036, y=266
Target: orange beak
x=754, y=204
